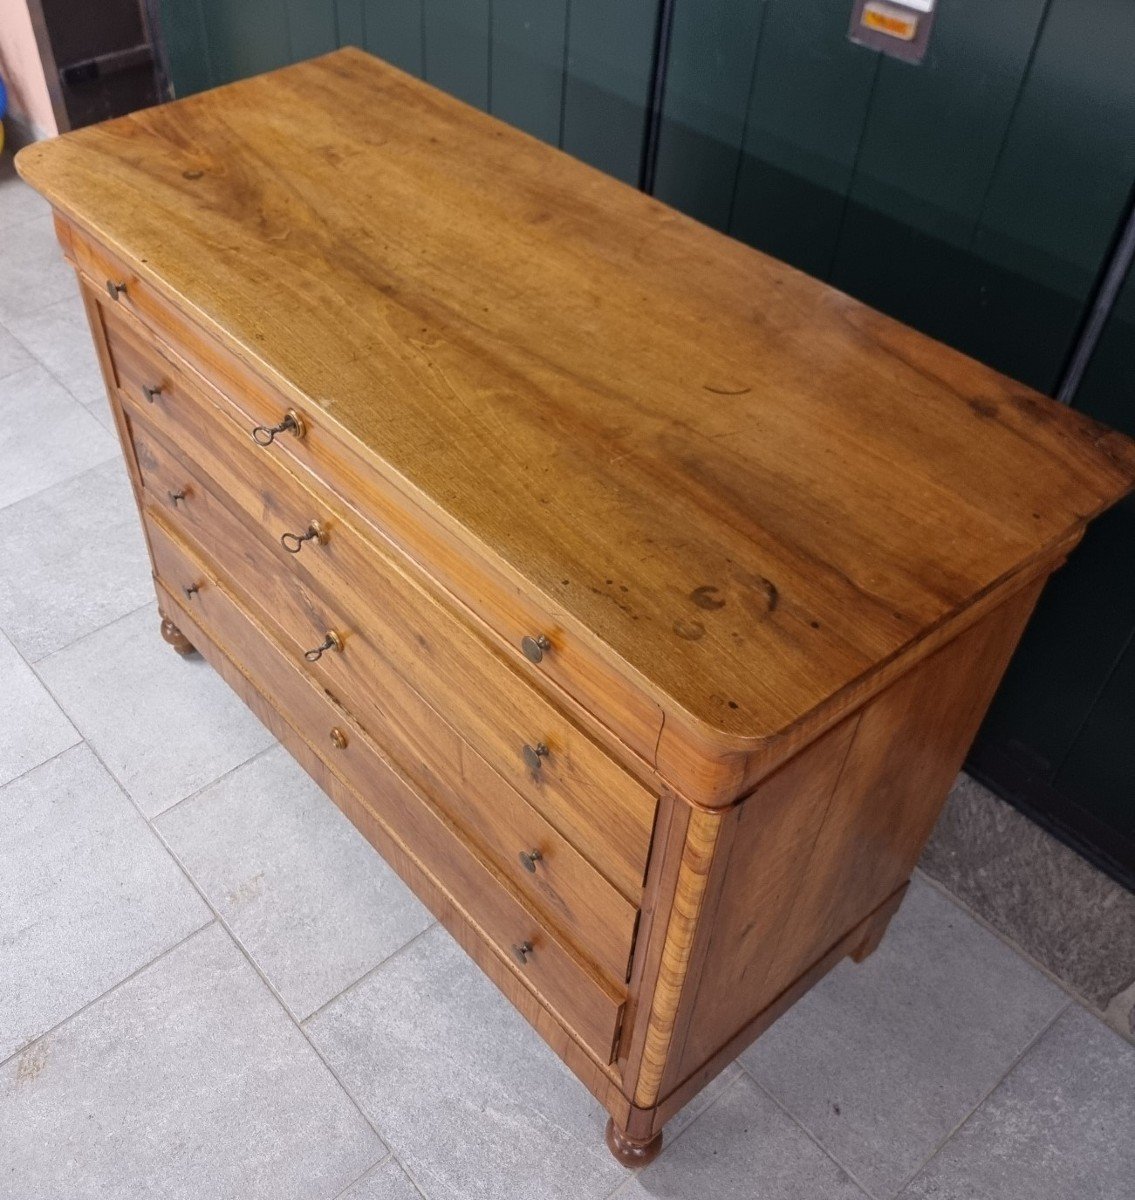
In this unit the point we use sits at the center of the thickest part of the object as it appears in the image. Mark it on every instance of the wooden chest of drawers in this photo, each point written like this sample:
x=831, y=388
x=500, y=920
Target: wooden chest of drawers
x=637, y=596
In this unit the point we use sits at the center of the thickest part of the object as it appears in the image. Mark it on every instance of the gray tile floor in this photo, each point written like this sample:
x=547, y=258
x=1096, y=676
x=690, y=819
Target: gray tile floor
x=210, y=986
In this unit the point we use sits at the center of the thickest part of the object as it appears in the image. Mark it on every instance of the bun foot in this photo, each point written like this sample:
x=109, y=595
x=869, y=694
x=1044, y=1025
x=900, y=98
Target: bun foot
x=174, y=636
x=629, y=1151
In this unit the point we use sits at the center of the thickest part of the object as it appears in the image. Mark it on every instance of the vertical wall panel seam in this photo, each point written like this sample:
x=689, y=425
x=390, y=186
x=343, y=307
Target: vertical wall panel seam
x=200, y=6
x=656, y=95
x=564, y=75
x=1127, y=645
x=980, y=215
x=489, y=63
x=854, y=167
x=745, y=120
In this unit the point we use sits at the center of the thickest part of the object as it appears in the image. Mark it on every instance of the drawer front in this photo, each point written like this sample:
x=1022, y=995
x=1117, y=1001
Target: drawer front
x=513, y=616
x=584, y=1001
x=540, y=863
x=344, y=584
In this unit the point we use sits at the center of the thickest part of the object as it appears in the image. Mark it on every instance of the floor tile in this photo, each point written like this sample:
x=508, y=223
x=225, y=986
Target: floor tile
x=882, y=1059
x=1055, y=905
x=743, y=1147
x=306, y=895
x=32, y=727
x=14, y=356
x=166, y=726
x=1061, y=1125
x=76, y=560
x=386, y=1182
x=46, y=435
x=188, y=1082
x=35, y=273
x=88, y=894
x=58, y=335
x=461, y=1088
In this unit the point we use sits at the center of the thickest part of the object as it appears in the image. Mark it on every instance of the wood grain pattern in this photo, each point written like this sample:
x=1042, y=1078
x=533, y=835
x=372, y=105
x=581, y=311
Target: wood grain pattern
x=599, y=1079
x=846, y=485
x=693, y=874
x=388, y=625
x=780, y=547
x=588, y=1004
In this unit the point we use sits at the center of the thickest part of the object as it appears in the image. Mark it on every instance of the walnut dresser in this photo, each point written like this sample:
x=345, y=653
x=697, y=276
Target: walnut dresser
x=634, y=594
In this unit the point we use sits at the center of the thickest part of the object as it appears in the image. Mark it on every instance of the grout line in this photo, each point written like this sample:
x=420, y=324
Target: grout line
x=828, y=1154
x=33, y=662
x=980, y=1104
x=1067, y=988
x=103, y=995
x=152, y=820
x=363, y=1174
x=315, y=1012
x=57, y=754
x=418, y=1189
x=272, y=990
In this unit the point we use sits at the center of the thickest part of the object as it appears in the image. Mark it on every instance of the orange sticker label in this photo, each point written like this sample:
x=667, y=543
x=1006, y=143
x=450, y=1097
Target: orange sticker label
x=889, y=21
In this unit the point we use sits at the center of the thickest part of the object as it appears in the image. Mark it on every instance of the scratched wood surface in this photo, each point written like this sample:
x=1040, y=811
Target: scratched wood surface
x=754, y=490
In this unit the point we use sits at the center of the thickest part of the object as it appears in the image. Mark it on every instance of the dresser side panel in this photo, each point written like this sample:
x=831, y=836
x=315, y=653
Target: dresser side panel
x=824, y=842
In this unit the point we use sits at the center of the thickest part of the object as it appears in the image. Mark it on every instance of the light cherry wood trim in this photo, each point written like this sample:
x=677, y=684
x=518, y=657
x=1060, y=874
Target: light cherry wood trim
x=693, y=875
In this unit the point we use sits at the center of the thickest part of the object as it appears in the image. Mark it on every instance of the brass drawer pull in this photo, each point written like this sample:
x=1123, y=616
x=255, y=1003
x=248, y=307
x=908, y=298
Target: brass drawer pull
x=331, y=642
x=521, y=953
x=293, y=542
x=529, y=859
x=534, y=755
x=151, y=393
x=191, y=590
x=265, y=435
x=535, y=647
x=175, y=498
x=338, y=739
x=114, y=289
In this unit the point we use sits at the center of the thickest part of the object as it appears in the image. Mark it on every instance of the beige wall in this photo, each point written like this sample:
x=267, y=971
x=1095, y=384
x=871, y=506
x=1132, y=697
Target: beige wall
x=28, y=100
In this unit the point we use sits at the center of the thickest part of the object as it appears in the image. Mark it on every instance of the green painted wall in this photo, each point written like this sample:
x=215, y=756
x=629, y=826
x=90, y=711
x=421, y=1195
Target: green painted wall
x=576, y=73
x=975, y=196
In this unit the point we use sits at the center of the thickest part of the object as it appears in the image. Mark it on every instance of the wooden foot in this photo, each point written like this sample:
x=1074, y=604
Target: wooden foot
x=629, y=1151
x=174, y=636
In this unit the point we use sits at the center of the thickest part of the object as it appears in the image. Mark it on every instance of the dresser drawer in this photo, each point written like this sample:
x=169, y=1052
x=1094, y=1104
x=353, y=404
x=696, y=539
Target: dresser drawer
x=386, y=621
x=587, y=1003
x=530, y=852
x=514, y=616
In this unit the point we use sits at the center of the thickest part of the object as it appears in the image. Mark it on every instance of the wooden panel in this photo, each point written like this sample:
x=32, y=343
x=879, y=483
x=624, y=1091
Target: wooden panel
x=851, y=487
x=709, y=76
x=589, y=1005
x=806, y=110
x=394, y=30
x=245, y=38
x=527, y=84
x=600, y=1079
x=456, y=41
x=609, y=61
x=379, y=507
x=824, y=842
x=387, y=625
x=312, y=27
x=564, y=886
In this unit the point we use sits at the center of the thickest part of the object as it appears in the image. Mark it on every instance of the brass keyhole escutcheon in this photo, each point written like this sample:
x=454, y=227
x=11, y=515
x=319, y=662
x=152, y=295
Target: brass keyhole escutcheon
x=293, y=423
x=331, y=642
x=293, y=542
x=338, y=739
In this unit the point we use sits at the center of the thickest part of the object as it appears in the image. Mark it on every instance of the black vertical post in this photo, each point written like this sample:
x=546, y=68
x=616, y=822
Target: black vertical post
x=659, y=64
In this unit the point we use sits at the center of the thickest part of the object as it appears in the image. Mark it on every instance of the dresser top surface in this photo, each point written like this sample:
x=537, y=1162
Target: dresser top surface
x=751, y=488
